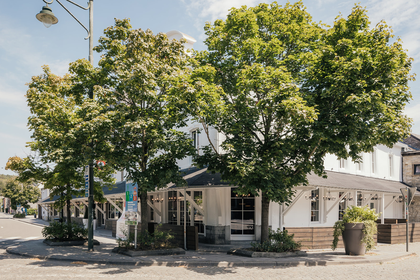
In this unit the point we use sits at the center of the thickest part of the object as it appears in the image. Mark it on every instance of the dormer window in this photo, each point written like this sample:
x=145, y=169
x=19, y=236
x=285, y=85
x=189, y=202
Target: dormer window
x=195, y=135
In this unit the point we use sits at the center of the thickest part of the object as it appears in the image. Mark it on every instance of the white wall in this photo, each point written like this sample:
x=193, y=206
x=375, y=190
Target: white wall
x=382, y=163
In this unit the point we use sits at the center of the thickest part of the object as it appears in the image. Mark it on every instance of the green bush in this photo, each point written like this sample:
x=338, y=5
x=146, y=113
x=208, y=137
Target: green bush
x=157, y=240
x=355, y=214
x=278, y=241
x=19, y=215
x=32, y=211
x=62, y=232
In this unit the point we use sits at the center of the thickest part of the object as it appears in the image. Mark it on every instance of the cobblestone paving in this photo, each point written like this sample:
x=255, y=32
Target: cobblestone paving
x=13, y=267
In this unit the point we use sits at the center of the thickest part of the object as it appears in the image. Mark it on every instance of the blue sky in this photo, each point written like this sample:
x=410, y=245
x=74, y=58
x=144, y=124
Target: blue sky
x=26, y=45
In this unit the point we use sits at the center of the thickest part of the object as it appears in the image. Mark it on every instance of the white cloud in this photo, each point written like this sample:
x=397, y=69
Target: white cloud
x=403, y=17
x=211, y=10
x=215, y=9
x=414, y=113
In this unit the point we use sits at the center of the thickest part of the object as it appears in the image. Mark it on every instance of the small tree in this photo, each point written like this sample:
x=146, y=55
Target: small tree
x=21, y=194
x=140, y=88
x=65, y=135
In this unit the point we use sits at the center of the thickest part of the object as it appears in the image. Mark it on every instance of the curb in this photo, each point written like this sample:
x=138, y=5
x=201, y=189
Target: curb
x=183, y=263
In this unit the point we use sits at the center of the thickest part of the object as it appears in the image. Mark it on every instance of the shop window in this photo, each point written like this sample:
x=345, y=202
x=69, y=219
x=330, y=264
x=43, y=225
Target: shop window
x=193, y=217
x=172, y=208
x=242, y=213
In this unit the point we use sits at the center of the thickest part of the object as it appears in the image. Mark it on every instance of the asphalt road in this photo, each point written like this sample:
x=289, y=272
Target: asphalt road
x=13, y=231
x=15, y=267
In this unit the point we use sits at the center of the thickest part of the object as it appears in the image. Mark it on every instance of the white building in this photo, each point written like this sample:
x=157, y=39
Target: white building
x=222, y=216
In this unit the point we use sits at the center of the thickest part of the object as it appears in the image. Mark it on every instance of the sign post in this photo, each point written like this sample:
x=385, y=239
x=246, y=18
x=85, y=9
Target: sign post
x=87, y=181
x=131, y=205
x=408, y=195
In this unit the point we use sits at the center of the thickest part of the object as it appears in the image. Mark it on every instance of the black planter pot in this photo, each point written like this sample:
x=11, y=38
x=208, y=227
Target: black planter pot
x=352, y=238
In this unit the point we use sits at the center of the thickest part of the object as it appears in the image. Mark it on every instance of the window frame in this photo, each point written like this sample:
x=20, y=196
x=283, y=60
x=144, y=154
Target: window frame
x=414, y=169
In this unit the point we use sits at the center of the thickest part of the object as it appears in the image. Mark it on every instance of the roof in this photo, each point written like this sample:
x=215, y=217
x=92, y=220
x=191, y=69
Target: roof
x=339, y=180
x=201, y=178
x=118, y=189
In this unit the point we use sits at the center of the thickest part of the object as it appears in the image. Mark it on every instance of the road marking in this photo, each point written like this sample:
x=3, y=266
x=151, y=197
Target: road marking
x=19, y=239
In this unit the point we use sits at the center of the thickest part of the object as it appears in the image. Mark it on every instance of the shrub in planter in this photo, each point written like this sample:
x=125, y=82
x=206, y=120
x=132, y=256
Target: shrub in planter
x=62, y=232
x=278, y=241
x=147, y=241
x=353, y=216
x=19, y=215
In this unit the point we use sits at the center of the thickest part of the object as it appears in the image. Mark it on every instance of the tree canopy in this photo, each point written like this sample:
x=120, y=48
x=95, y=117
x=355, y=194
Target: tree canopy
x=21, y=194
x=290, y=90
x=141, y=90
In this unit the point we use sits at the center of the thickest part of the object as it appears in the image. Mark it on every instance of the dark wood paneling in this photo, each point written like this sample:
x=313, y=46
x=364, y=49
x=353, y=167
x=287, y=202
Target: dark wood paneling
x=315, y=237
x=396, y=233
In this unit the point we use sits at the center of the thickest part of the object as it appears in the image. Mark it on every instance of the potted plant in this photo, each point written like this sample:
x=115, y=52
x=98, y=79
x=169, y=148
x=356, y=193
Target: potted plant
x=358, y=228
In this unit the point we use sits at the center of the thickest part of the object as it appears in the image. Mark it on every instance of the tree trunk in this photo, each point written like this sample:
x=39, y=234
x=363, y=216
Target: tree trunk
x=68, y=210
x=144, y=216
x=265, y=203
x=69, y=219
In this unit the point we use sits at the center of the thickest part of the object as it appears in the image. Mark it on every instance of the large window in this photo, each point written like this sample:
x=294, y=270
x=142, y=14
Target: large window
x=176, y=200
x=172, y=208
x=315, y=205
x=242, y=219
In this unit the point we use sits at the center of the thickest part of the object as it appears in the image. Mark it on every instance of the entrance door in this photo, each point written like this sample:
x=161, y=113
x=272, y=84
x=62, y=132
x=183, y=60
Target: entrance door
x=242, y=217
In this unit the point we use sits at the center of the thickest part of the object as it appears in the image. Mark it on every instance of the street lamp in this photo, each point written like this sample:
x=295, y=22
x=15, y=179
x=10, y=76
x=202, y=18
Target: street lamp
x=47, y=17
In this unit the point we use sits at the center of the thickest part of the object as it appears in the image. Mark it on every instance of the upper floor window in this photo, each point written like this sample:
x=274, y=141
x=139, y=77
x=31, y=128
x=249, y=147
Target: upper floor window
x=342, y=163
x=416, y=169
x=373, y=161
x=359, y=165
x=391, y=166
x=195, y=135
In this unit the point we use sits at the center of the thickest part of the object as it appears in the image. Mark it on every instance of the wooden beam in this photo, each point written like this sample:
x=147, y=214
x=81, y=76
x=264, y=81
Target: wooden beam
x=391, y=202
x=338, y=201
x=77, y=206
x=293, y=202
x=113, y=204
x=102, y=211
x=367, y=200
x=201, y=211
x=154, y=207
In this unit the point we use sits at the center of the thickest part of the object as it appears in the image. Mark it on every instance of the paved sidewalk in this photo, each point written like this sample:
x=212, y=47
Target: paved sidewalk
x=103, y=254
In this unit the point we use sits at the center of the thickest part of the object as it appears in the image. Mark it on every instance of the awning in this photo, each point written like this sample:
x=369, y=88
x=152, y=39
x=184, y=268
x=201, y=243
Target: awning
x=339, y=180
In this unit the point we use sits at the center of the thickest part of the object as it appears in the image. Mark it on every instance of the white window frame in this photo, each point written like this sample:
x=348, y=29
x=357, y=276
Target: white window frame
x=373, y=162
x=391, y=165
x=319, y=206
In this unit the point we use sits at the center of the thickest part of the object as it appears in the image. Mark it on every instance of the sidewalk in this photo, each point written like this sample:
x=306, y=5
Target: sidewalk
x=103, y=254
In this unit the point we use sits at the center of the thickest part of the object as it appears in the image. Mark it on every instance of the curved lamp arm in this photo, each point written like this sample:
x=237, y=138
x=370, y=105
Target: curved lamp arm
x=64, y=7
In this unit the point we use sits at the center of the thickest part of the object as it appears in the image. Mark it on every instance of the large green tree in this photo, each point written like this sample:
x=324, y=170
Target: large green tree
x=21, y=194
x=285, y=91
x=66, y=126
x=141, y=90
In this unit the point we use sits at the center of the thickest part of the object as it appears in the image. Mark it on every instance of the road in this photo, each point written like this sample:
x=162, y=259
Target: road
x=14, y=267
x=13, y=231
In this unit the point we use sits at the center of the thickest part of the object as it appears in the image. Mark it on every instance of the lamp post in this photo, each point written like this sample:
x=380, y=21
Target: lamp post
x=47, y=17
